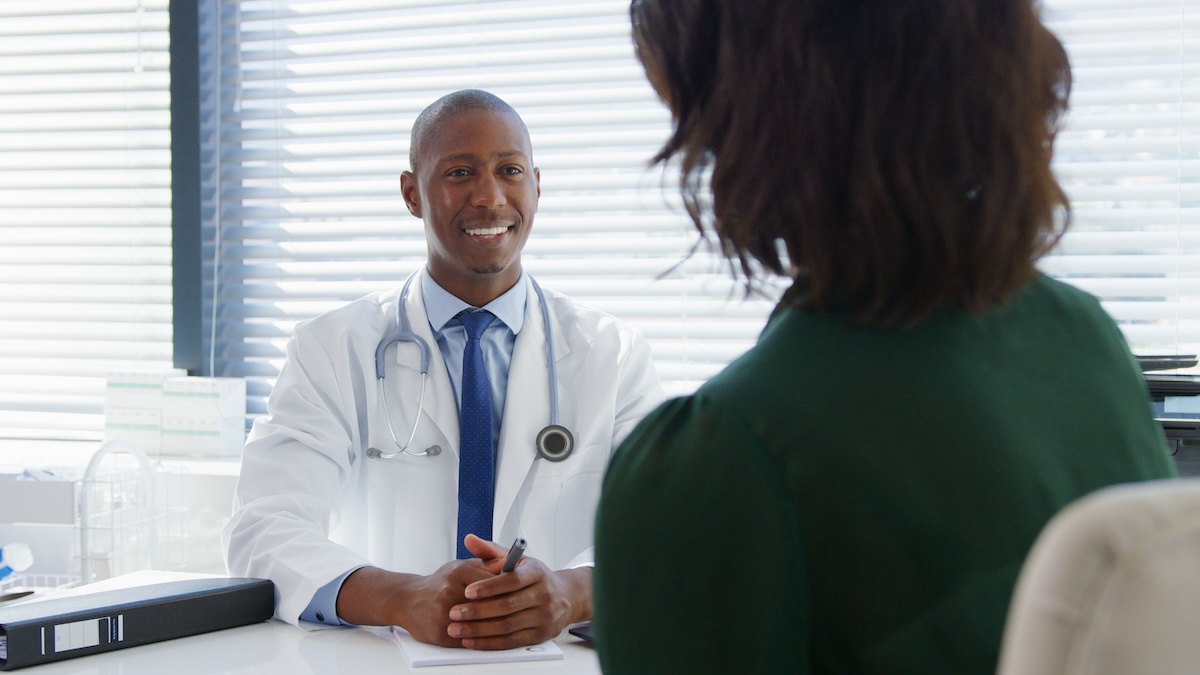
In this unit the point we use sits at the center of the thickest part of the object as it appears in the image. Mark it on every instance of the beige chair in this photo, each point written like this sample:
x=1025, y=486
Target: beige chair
x=1112, y=586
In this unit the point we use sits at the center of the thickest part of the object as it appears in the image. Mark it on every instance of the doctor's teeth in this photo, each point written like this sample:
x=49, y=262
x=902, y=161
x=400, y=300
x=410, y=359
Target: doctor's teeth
x=488, y=231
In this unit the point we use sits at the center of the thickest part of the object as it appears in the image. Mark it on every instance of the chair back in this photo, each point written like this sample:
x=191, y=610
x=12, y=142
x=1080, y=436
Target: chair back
x=1111, y=586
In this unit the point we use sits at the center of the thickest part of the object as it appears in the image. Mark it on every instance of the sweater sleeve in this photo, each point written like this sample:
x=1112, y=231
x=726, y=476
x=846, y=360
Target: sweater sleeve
x=699, y=561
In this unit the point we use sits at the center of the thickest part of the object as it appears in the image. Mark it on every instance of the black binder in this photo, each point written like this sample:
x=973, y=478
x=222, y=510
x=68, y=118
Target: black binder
x=63, y=628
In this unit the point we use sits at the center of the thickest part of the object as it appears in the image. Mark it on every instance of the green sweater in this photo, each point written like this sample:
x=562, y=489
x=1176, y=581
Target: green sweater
x=860, y=500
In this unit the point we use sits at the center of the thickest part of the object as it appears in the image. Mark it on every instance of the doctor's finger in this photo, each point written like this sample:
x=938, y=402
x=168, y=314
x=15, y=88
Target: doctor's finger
x=527, y=622
x=527, y=573
x=484, y=550
x=463, y=573
x=532, y=598
x=522, y=638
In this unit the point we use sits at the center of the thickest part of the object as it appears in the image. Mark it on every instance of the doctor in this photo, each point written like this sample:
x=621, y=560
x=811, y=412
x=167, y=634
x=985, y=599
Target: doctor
x=356, y=496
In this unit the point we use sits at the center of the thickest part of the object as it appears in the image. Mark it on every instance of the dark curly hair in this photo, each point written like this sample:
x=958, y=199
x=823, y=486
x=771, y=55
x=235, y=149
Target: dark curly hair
x=894, y=155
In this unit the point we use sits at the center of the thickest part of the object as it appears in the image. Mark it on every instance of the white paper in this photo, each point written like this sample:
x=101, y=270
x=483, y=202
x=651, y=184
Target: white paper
x=420, y=654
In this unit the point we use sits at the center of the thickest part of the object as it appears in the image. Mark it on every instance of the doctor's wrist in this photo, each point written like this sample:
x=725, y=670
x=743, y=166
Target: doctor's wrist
x=371, y=596
x=578, y=584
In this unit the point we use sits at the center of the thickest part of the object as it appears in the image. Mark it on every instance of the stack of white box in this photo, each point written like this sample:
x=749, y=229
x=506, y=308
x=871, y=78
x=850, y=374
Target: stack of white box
x=133, y=406
x=204, y=416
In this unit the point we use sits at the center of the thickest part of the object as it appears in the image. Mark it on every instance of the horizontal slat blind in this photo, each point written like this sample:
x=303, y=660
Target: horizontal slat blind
x=85, y=276
x=1129, y=160
x=312, y=102
x=316, y=100
x=308, y=108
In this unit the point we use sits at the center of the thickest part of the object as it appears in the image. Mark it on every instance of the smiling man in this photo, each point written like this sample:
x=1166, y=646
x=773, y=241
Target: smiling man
x=474, y=184
x=376, y=488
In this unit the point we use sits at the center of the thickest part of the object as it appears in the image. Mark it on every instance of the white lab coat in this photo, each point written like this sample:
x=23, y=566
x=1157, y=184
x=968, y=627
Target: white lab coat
x=310, y=505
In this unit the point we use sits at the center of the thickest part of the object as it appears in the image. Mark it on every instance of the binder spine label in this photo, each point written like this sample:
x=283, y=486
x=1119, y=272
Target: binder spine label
x=88, y=633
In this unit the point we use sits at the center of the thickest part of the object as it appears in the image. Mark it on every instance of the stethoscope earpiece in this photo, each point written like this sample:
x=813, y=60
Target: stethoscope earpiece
x=555, y=443
x=376, y=453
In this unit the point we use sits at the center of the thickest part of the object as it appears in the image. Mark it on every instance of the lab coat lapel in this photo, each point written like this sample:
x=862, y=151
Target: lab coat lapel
x=440, y=407
x=526, y=411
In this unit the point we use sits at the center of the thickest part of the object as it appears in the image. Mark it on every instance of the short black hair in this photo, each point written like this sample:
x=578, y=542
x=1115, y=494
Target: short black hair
x=448, y=106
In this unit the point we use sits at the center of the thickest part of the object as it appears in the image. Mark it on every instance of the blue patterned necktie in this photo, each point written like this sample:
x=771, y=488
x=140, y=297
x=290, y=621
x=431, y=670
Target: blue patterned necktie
x=476, y=464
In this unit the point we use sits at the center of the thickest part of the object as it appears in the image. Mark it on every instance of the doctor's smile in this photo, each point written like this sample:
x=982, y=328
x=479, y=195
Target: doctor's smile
x=490, y=232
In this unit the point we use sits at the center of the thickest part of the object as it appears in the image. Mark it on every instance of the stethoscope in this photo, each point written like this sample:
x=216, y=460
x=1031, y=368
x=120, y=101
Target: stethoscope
x=554, y=442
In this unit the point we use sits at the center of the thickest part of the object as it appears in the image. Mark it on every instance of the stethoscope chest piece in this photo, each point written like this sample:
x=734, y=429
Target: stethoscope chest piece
x=555, y=443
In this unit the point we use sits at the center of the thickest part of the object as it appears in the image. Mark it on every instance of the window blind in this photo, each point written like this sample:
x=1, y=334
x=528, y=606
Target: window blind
x=1128, y=160
x=307, y=114
x=315, y=101
x=85, y=278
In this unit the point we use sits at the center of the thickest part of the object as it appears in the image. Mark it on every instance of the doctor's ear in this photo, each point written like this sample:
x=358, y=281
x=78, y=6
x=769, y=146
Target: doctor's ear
x=408, y=190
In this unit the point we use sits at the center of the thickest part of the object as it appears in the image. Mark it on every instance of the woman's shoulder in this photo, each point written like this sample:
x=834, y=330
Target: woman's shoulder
x=1061, y=298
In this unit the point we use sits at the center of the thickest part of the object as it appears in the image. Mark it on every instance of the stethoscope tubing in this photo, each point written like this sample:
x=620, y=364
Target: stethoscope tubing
x=554, y=442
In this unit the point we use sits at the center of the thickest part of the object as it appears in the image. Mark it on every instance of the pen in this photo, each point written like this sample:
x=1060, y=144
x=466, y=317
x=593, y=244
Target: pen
x=514, y=555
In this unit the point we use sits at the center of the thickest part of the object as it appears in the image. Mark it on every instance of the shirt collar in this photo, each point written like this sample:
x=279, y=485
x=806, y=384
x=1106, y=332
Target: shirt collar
x=441, y=305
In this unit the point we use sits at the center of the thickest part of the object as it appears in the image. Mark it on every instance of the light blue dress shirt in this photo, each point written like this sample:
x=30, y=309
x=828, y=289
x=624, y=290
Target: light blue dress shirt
x=497, y=344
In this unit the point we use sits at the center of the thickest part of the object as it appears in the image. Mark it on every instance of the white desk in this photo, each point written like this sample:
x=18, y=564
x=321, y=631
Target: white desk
x=278, y=648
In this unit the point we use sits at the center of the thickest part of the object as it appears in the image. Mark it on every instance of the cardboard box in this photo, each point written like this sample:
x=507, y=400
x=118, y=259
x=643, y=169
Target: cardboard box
x=140, y=425
x=139, y=389
x=42, y=514
x=204, y=416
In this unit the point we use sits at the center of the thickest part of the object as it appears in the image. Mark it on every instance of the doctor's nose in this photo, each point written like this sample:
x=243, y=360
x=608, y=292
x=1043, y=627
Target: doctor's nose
x=488, y=193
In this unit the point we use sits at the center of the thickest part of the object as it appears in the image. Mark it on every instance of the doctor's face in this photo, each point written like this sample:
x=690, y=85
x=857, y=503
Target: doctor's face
x=476, y=189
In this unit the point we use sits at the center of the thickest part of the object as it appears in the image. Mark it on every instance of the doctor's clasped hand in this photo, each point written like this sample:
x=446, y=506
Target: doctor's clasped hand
x=412, y=429
x=470, y=603
x=530, y=604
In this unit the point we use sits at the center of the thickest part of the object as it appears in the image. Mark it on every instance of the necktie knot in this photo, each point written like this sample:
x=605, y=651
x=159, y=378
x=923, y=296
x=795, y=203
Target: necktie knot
x=475, y=322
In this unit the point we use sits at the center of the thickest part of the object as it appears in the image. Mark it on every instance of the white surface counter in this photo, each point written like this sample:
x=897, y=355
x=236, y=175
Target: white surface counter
x=279, y=648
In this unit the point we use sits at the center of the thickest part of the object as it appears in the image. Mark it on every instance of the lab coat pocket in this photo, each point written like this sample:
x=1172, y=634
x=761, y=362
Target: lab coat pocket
x=578, y=494
x=408, y=510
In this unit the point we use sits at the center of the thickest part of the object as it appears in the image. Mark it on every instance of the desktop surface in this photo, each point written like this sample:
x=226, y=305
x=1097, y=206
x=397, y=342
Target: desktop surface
x=274, y=647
